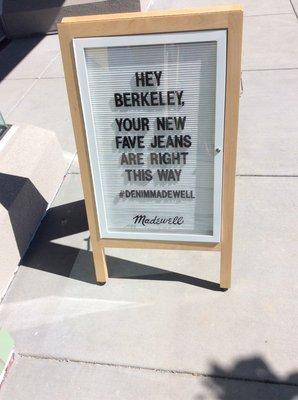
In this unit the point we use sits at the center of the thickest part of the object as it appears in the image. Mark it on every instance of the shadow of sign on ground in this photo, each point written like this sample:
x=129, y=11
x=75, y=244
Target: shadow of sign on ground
x=70, y=219
x=27, y=22
x=12, y=53
x=24, y=18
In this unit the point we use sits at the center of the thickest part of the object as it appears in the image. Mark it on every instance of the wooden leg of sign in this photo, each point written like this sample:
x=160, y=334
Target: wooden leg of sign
x=225, y=265
x=100, y=264
x=230, y=145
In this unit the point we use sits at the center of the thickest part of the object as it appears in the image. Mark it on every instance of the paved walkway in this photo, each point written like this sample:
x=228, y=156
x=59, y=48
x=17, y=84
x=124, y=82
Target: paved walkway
x=160, y=328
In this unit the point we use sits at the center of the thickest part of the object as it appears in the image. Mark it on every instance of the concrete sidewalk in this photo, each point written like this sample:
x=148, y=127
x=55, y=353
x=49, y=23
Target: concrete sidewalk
x=160, y=328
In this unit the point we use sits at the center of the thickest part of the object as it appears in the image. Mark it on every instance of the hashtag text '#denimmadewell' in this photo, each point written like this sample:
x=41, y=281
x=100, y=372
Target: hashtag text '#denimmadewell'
x=143, y=220
x=156, y=194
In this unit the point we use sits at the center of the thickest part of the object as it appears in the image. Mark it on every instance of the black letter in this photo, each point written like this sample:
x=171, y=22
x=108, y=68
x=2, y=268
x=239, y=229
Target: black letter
x=118, y=99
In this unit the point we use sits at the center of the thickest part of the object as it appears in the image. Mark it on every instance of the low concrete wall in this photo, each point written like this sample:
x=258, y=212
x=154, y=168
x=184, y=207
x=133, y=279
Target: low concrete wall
x=32, y=168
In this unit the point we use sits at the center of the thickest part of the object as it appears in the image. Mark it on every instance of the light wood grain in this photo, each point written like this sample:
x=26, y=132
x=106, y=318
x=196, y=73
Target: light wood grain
x=230, y=146
x=222, y=17
x=151, y=244
x=65, y=37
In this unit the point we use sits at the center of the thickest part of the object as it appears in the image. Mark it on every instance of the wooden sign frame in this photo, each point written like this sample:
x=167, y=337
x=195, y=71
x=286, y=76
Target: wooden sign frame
x=229, y=18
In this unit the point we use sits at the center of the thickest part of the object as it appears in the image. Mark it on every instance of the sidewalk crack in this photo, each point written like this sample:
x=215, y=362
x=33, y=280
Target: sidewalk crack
x=152, y=369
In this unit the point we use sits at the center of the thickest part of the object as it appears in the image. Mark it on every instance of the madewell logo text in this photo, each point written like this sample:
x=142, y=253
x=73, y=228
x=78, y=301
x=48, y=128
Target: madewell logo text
x=143, y=220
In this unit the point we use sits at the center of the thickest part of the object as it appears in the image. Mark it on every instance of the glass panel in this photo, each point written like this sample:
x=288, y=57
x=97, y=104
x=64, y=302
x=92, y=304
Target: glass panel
x=153, y=110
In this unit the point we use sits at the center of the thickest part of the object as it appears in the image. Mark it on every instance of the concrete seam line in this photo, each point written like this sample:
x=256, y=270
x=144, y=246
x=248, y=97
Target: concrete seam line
x=48, y=65
x=42, y=78
x=267, y=176
x=30, y=87
x=270, y=69
x=268, y=15
x=22, y=97
x=158, y=370
x=295, y=12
